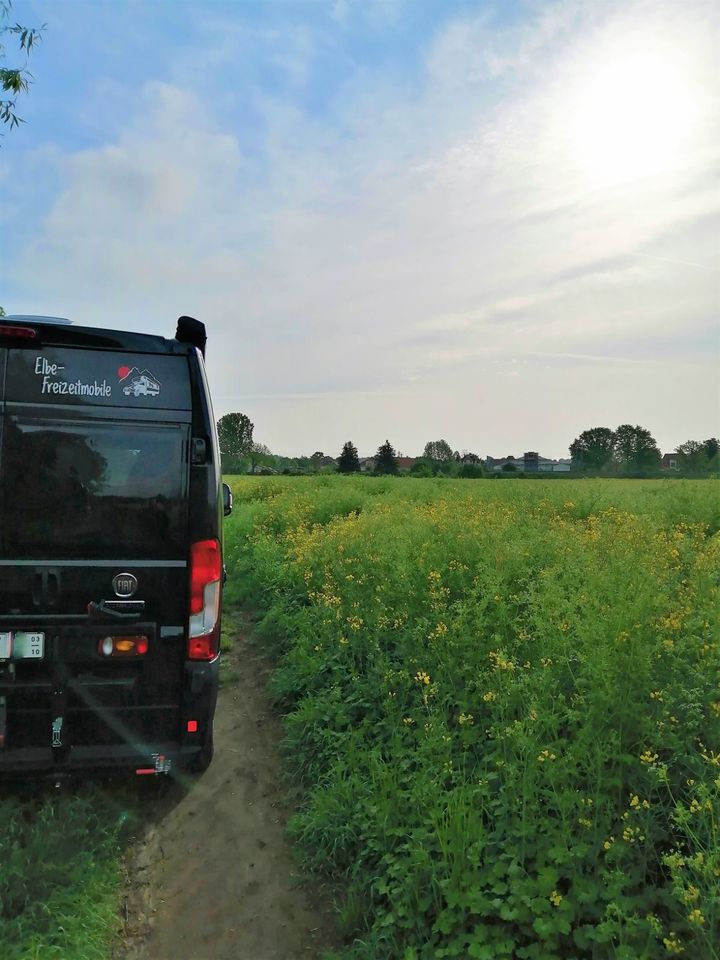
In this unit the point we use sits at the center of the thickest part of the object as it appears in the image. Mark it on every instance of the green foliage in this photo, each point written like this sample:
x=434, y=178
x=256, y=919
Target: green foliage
x=438, y=450
x=697, y=458
x=60, y=876
x=471, y=471
x=386, y=459
x=423, y=467
x=592, y=451
x=349, y=461
x=630, y=450
x=502, y=702
x=635, y=449
x=235, y=434
x=15, y=80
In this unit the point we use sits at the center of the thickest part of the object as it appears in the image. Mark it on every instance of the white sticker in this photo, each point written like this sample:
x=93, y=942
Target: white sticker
x=28, y=646
x=5, y=645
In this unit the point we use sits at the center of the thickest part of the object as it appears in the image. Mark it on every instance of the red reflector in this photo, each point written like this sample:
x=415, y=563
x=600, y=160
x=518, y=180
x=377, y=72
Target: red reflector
x=204, y=569
x=145, y=771
x=21, y=333
x=192, y=726
x=202, y=648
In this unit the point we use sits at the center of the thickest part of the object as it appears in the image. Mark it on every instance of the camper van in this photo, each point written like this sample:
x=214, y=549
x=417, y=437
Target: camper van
x=111, y=569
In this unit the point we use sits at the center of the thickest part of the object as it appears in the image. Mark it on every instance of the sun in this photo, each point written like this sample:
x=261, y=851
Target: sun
x=631, y=114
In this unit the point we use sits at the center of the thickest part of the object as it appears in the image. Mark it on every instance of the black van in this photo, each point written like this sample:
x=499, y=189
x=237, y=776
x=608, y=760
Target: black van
x=111, y=507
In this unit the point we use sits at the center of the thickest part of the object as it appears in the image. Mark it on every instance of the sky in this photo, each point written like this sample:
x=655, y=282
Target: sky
x=492, y=223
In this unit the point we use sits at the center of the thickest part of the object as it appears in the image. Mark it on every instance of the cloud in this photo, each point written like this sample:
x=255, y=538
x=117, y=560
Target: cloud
x=386, y=250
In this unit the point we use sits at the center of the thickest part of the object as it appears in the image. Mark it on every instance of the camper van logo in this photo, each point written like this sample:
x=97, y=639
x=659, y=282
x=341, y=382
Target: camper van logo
x=138, y=383
x=124, y=584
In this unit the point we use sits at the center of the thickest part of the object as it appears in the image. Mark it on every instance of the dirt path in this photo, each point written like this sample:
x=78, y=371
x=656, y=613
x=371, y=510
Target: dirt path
x=213, y=879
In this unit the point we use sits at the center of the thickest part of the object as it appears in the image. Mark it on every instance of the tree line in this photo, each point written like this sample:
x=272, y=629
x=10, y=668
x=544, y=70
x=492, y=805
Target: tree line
x=632, y=451
x=626, y=451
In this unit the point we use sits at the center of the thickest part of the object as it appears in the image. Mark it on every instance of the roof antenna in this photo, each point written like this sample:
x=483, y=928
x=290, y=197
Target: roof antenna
x=190, y=330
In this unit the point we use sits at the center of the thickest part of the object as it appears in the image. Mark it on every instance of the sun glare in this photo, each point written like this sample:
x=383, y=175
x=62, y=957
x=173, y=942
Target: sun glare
x=631, y=116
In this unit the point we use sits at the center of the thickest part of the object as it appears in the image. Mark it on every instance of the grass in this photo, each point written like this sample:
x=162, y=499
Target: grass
x=60, y=874
x=502, y=703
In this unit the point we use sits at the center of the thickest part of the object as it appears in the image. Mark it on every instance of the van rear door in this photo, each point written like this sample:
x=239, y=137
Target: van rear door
x=94, y=531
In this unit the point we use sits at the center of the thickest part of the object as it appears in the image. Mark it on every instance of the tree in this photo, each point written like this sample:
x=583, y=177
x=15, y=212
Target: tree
x=438, y=450
x=260, y=456
x=235, y=433
x=15, y=80
x=592, y=451
x=386, y=459
x=696, y=457
x=712, y=447
x=691, y=456
x=635, y=449
x=348, y=461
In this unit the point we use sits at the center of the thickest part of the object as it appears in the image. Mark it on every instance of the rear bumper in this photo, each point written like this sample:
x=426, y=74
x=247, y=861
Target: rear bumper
x=162, y=756
x=105, y=760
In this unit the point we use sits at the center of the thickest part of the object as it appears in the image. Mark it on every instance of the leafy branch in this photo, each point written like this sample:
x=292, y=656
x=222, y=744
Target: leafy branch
x=15, y=80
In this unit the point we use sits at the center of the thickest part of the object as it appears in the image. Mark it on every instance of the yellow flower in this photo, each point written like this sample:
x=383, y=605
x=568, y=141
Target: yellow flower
x=546, y=755
x=555, y=898
x=673, y=945
x=695, y=916
x=422, y=677
x=408, y=721
x=489, y=696
x=466, y=718
x=608, y=843
x=648, y=757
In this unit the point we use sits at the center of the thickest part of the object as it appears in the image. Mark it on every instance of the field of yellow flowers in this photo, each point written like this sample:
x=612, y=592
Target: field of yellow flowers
x=503, y=707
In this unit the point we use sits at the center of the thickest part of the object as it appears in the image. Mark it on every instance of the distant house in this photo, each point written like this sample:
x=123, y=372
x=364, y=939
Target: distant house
x=367, y=464
x=530, y=462
x=670, y=461
x=406, y=463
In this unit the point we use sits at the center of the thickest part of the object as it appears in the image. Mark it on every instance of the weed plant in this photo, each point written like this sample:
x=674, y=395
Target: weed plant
x=502, y=701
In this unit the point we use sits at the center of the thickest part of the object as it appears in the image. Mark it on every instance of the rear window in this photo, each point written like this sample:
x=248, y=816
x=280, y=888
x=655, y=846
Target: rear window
x=97, y=489
x=108, y=378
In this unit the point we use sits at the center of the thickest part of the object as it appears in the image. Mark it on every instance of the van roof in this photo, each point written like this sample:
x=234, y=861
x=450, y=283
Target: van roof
x=33, y=318
x=60, y=332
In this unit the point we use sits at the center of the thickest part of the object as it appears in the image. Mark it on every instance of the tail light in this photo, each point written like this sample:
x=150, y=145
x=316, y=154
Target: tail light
x=18, y=333
x=205, y=575
x=132, y=646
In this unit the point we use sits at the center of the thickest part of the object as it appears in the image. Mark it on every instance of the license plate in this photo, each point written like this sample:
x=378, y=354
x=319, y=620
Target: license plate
x=28, y=646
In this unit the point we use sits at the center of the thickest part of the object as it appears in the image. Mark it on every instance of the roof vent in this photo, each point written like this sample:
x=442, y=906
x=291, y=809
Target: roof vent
x=33, y=318
x=190, y=330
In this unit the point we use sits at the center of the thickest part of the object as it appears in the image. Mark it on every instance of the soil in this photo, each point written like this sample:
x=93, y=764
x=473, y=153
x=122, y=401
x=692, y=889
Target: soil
x=213, y=877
